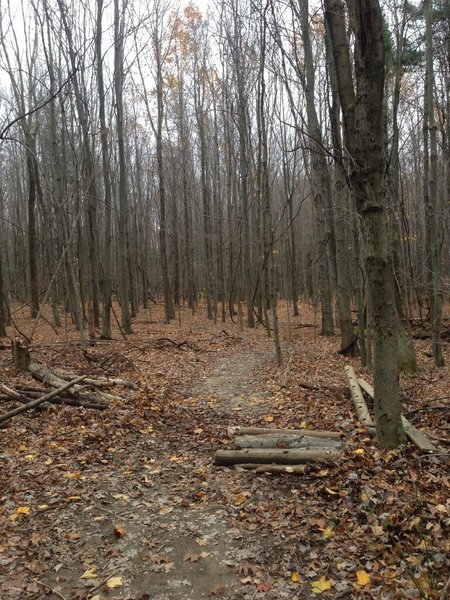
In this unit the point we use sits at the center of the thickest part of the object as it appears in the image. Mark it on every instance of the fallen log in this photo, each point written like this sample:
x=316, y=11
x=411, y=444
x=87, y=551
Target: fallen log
x=282, y=440
x=335, y=435
x=38, y=401
x=296, y=469
x=78, y=402
x=357, y=397
x=53, y=380
x=267, y=456
x=103, y=381
x=414, y=434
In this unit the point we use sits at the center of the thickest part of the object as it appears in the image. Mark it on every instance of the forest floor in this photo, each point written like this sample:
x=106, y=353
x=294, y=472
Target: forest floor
x=126, y=503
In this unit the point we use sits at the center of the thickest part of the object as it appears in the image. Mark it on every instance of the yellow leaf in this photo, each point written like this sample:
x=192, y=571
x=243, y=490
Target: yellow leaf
x=176, y=458
x=327, y=532
x=269, y=419
x=22, y=448
x=321, y=585
x=75, y=475
x=303, y=425
x=90, y=574
x=295, y=577
x=198, y=430
x=121, y=497
x=114, y=582
x=332, y=492
x=166, y=510
x=23, y=510
x=73, y=498
x=359, y=451
x=202, y=541
x=30, y=456
x=205, y=554
x=363, y=577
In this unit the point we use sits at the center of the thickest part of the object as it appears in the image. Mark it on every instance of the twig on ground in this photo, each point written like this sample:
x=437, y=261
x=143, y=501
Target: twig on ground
x=53, y=591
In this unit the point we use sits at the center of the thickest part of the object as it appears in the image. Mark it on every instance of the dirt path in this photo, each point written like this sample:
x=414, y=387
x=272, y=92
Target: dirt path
x=153, y=510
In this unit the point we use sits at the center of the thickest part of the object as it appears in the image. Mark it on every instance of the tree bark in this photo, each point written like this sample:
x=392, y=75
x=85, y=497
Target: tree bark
x=363, y=122
x=283, y=457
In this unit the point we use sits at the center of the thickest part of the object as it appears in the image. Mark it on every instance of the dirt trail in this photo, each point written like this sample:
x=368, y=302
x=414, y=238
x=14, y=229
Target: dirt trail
x=182, y=536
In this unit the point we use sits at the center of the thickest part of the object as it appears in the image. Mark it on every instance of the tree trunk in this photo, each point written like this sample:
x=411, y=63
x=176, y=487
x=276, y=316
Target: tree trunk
x=363, y=122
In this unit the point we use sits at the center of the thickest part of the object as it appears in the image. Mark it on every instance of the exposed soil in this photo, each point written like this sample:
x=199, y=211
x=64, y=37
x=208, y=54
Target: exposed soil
x=132, y=492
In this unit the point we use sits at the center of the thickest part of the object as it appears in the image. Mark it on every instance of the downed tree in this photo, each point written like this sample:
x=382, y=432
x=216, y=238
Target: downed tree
x=335, y=435
x=43, y=374
x=283, y=440
x=267, y=456
x=414, y=434
x=357, y=397
x=38, y=401
x=30, y=395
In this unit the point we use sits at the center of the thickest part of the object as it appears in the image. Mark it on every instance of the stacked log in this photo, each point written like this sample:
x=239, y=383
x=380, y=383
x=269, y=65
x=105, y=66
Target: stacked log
x=270, y=450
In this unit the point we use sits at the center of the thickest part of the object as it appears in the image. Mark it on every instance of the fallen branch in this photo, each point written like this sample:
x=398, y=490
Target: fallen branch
x=34, y=403
x=357, y=397
x=78, y=402
x=267, y=456
x=335, y=435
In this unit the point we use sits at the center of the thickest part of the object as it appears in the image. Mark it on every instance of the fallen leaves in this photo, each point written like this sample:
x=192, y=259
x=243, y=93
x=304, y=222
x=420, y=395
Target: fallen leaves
x=321, y=585
x=114, y=582
x=359, y=526
x=363, y=578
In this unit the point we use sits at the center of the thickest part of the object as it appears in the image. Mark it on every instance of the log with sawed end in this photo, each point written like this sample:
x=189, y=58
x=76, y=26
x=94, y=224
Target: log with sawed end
x=267, y=456
x=283, y=440
x=357, y=397
x=335, y=435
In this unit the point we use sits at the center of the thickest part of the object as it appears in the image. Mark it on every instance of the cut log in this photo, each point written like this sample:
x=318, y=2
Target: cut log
x=282, y=440
x=267, y=456
x=357, y=397
x=415, y=435
x=335, y=435
x=295, y=469
x=38, y=401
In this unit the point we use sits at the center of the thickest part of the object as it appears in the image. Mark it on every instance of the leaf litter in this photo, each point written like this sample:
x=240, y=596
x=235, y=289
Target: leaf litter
x=127, y=503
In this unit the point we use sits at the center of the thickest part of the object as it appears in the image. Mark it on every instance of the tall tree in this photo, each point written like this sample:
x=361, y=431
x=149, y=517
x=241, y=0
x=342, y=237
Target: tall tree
x=363, y=123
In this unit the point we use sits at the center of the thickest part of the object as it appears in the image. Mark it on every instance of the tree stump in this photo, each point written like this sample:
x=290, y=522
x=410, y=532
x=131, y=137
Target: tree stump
x=20, y=354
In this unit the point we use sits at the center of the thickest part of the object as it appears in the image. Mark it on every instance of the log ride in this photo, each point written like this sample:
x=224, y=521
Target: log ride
x=270, y=455
x=415, y=435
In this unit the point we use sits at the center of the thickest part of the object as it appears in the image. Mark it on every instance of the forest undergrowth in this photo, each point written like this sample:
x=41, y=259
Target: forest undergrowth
x=126, y=503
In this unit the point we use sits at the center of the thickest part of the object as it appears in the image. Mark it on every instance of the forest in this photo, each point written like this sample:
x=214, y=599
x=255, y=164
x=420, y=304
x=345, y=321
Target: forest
x=216, y=209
